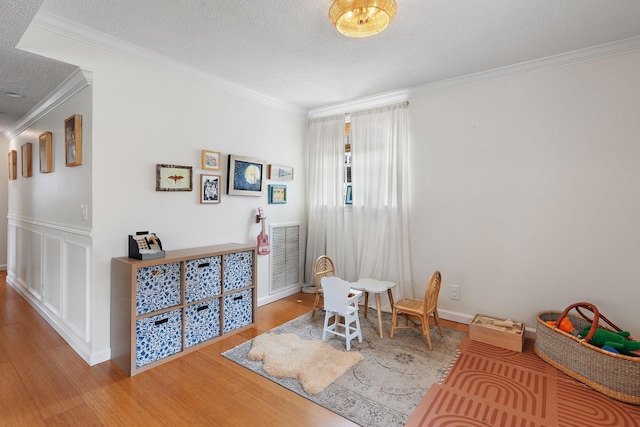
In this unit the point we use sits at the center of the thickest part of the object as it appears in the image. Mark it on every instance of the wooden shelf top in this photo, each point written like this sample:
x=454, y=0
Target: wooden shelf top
x=184, y=254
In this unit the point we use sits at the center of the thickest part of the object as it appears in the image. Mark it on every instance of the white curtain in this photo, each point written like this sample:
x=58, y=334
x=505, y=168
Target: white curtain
x=325, y=205
x=380, y=171
x=370, y=238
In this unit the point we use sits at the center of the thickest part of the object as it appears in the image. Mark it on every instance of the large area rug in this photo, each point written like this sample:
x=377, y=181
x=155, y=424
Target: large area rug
x=387, y=385
x=491, y=386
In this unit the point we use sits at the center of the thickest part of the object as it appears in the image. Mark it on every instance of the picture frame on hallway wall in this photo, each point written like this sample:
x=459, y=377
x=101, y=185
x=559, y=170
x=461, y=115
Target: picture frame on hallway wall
x=277, y=194
x=209, y=188
x=174, y=178
x=73, y=140
x=26, y=160
x=280, y=173
x=211, y=160
x=245, y=176
x=45, y=152
x=12, y=158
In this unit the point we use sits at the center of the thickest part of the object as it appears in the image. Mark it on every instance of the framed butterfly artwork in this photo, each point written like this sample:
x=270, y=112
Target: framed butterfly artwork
x=174, y=178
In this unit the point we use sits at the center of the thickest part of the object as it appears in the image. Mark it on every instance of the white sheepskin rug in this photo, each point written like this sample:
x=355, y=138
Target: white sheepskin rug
x=315, y=364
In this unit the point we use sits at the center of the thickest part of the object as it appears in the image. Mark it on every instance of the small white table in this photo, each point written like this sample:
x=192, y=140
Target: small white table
x=376, y=287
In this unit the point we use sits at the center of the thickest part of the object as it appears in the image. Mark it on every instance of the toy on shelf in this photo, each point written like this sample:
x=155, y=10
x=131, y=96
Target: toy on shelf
x=145, y=245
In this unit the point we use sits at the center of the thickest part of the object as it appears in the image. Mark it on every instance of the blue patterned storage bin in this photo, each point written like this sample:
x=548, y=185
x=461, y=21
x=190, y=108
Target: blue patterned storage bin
x=238, y=270
x=158, y=336
x=203, y=278
x=202, y=322
x=238, y=310
x=157, y=287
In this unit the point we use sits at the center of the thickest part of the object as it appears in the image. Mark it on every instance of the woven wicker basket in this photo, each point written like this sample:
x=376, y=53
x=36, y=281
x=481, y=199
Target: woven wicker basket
x=615, y=375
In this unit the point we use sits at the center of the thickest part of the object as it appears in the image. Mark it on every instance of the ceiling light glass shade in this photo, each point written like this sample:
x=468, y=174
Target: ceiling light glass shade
x=362, y=18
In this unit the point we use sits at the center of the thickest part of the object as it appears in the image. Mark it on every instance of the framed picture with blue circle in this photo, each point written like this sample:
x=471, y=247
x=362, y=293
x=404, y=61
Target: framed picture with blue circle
x=277, y=194
x=245, y=176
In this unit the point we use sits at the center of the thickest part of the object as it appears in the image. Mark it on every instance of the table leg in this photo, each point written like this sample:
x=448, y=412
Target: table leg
x=390, y=298
x=379, y=313
x=366, y=303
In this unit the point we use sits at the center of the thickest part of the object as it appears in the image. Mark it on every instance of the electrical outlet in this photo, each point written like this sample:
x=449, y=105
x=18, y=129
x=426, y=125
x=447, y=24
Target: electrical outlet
x=454, y=292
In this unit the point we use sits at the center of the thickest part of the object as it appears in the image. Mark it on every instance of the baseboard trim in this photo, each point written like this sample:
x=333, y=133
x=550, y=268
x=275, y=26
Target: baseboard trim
x=275, y=297
x=454, y=316
x=90, y=359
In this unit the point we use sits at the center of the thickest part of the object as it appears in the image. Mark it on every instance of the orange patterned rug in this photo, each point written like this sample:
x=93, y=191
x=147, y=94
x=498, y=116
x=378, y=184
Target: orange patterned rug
x=491, y=386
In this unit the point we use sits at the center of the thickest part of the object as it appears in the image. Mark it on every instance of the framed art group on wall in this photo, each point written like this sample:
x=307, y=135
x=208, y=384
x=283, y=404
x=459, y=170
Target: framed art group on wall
x=72, y=131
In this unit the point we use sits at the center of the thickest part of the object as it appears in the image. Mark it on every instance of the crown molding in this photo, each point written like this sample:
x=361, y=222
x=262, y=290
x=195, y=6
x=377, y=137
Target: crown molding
x=620, y=47
x=116, y=46
x=367, y=103
x=65, y=90
x=86, y=35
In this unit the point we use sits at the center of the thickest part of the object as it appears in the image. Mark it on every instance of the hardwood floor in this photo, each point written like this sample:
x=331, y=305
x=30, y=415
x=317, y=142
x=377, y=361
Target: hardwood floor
x=43, y=382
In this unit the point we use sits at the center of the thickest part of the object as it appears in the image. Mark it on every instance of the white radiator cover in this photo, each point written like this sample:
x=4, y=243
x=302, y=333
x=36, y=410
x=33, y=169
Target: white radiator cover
x=286, y=266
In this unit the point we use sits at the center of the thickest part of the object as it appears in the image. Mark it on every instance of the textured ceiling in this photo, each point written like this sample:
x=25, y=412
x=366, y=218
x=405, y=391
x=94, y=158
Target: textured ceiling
x=20, y=72
x=288, y=50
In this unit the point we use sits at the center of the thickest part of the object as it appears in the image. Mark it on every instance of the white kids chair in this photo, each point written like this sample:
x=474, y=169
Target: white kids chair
x=340, y=301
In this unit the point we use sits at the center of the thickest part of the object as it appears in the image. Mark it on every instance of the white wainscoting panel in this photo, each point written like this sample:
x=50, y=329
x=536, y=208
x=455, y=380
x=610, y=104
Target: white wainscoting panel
x=52, y=281
x=22, y=256
x=34, y=266
x=50, y=266
x=75, y=296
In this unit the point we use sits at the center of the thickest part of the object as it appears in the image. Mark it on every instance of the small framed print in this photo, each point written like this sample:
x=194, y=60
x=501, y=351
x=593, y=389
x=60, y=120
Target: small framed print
x=277, y=194
x=209, y=188
x=280, y=173
x=245, y=176
x=26, y=160
x=13, y=164
x=211, y=160
x=44, y=149
x=174, y=178
x=348, y=198
x=73, y=140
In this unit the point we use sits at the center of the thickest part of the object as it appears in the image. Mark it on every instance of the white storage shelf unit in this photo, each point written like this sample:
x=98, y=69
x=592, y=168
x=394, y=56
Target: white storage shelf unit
x=163, y=308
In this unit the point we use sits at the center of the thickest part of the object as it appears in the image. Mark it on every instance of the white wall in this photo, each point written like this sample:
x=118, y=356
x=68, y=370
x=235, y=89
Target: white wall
x=143, y=116
x=4, y=202
x=526, y=192
x=55, y=197
x=49, y=242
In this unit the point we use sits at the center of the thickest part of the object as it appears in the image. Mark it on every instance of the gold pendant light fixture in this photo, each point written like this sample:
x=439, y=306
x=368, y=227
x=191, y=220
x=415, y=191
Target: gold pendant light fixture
x=362, y=18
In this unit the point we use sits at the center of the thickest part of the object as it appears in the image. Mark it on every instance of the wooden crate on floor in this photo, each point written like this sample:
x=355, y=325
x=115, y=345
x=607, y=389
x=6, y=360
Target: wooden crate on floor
x=498, y=332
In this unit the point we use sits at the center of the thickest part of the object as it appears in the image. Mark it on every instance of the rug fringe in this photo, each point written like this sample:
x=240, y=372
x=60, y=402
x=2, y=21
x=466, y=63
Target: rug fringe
x=448, y=369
